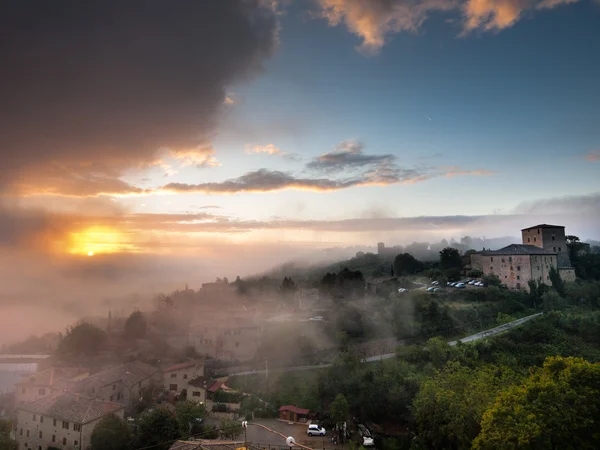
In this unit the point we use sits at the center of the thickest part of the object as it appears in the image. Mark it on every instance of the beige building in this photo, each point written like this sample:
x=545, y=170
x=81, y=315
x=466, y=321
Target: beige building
x=64, y=420
x=42, y=384
x=551, y=238
x=228, y=342
x=516, y=264
x=178, y=376
x=122, y=384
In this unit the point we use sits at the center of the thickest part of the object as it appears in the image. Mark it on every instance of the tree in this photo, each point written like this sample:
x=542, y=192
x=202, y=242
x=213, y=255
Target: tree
x=450, y=258
x=406, y=264
x=6, y=442
x=158, y=429
x=82, y=339
x=288, y=288
x=190, y=416
x=136, y=325
x=557, y=282
x=449, y=406
x=111, y=433
x=230, y=429
x=556, y=407
x=491, y=280
x=339, y=409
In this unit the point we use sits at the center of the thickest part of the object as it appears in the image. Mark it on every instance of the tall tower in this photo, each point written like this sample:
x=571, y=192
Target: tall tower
x=380, y=248
x=551, y=238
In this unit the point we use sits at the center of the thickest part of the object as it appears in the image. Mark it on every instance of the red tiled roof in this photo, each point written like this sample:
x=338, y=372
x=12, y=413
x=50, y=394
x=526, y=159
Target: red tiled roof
x=215, y=386
x=181, y=366
x=294, y=409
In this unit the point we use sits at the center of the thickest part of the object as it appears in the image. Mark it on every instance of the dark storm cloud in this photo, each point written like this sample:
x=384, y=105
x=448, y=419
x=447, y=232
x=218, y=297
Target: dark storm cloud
x=100, y=85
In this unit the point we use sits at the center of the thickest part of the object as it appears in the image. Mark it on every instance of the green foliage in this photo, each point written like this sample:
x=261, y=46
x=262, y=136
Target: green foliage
x=111, y=433
x=491, y=280
x=449, y=406
x=6, y=442
x=557, y=283
x=190, y=416
x=230, y=429
x=136, y=325
x=406, y=264
x=81, y=340
x=450, y=258
x=227, y=397
x=345, y=286
x=555, y=407
x=353, y=322
x=339, y=409
x=475, y=273
x=159, y=429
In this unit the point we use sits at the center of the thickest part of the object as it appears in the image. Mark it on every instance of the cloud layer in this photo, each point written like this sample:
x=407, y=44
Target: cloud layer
x=90, y=88
x=374, y=21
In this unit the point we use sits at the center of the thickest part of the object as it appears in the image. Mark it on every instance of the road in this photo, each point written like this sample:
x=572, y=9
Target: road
x=473, y=337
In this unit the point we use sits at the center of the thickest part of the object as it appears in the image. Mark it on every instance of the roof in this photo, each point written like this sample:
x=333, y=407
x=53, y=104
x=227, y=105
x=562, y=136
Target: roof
x=201, y=381
x=519, y=249
x=51, y=376
x=71, y=408
x=542, y=225
x=294, y=409
x=216, y=386
x=207, y=444
x=129, y=374
x=181, y=366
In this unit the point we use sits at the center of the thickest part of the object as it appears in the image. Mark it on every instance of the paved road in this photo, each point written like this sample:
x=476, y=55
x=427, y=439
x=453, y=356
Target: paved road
x=473, y=337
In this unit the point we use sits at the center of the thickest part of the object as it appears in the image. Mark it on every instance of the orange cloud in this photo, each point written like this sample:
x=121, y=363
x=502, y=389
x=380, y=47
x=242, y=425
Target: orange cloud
x=269, y=149
x=593, y=156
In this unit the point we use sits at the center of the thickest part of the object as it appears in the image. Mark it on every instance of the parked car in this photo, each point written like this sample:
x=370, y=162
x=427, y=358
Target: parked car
x=435, y=283
x=437, y=289
x=319, y=318
x=315, y=430
x=460, y=285
x=473, y=282
x=402, y=290
x=430, y=289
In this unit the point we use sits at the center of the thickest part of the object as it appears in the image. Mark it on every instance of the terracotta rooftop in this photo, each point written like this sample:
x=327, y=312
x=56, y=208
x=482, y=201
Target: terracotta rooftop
x=129, y=374
x=71, y=408
x=519, y=249
x=51, y=376
x=201, y=381
x=181, y=366
x=294, y=409
x=542, y=225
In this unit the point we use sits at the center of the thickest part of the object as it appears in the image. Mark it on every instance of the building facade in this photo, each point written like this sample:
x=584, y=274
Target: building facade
x=516, y=264
x=177, y=377
x=65, y=421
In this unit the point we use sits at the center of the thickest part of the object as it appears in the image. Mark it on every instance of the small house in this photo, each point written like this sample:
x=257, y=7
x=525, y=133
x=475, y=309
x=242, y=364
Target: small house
x=292, y=413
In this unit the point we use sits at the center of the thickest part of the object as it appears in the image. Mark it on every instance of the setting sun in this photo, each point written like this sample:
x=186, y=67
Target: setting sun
x=98, y=240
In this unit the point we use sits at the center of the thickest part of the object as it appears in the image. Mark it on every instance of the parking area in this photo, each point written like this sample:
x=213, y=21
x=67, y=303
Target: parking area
x=266, y=439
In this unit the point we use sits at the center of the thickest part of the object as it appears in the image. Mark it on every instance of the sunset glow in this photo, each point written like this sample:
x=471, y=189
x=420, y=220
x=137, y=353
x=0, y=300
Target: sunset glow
x=98, y=240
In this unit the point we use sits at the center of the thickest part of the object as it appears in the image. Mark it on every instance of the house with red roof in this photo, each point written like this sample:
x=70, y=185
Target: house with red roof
x=291, y=413
x=189, y=376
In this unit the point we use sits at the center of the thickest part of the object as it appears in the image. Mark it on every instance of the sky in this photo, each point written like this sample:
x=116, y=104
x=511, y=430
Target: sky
x=156, y=142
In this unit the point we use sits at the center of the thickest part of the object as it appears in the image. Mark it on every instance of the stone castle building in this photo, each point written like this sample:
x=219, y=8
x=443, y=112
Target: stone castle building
x=543, y=247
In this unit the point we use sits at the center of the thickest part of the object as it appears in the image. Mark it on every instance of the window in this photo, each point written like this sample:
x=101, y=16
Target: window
x=534, y=239
x=510, y=259
x=491, y=268
x=535, y=259
x=27, y=433
x=75, y=443
x=518, y=268
x=559, y=249
x=76, y=427
x=538, y=267
x=553, y=249
x=40, y=434
x=518, y=277
x=42, y=391
x=111, y=398
x=53, y=438
x=118, y=396
x=492, y=259
x=185, y=376
x=196, y=394
x=34, y=417
x=511, y=268
x=505, y=276
x=528, y=239
x=502, y=259
x=173, y=375
x=64, y=441
x=553, y=237
x=21, y=432
x=538, y=231
x=54, y=422
x=518, y=285
x=172, y=387
x=114, y=386
x=237, y=344
x=65, y=425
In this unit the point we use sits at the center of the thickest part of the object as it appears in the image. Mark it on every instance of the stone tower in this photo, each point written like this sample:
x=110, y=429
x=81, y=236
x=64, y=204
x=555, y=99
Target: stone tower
x=551, y=238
